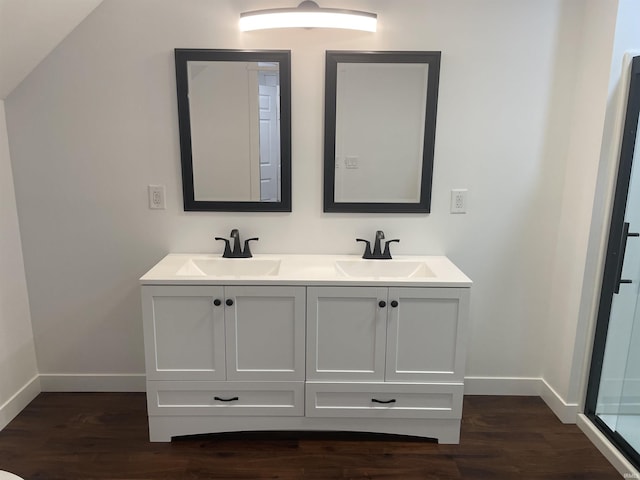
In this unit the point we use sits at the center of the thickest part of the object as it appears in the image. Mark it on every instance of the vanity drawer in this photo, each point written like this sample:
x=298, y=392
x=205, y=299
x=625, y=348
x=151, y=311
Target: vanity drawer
x=225, y=398
x=384, y=400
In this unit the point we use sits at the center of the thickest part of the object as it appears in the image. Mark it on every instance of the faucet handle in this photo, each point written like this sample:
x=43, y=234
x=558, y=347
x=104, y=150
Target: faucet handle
x=246, y=252
x=387, y=252
x=227, y=247
x=367, y=248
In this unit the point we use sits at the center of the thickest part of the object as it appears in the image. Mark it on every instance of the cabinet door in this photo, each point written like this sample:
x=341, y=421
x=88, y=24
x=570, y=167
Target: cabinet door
x=183, y=332
x=346, y=333
x=265, y=333
x=425, y=335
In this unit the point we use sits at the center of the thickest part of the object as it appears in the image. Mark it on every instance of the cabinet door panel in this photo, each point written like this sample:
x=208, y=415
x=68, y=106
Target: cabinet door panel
x=346, y=335
x=184, y=333
x=265, y=331
x=424, y=332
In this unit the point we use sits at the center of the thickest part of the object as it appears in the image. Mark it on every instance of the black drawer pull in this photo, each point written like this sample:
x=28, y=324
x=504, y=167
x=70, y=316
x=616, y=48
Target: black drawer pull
x=229, y=302
x=232, y=399
x=382, y=304
x=375, y=400
x=217, y=302
x=394, y=303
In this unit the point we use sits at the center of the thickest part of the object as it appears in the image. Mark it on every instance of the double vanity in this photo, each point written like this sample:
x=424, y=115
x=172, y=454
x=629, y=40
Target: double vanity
x=305, y=342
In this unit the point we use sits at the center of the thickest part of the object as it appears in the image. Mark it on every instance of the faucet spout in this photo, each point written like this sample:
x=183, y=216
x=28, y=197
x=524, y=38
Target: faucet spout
x=237, y=249
x=377, y=248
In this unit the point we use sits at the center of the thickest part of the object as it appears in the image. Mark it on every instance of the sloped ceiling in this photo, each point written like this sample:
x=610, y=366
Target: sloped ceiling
x=30, y=30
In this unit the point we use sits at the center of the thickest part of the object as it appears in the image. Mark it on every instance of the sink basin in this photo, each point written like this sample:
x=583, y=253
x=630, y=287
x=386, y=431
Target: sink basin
x=383, y=268
x=230, y=267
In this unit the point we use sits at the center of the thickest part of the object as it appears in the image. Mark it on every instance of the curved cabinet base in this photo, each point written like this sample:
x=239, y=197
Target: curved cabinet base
x=161, y=429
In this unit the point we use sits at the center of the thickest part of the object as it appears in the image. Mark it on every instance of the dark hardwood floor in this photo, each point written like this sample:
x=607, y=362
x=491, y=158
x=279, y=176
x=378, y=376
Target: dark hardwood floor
x=104, y=436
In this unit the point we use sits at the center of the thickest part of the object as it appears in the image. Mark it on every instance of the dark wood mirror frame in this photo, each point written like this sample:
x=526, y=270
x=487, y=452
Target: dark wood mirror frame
x=283, y=57
x=333, y=58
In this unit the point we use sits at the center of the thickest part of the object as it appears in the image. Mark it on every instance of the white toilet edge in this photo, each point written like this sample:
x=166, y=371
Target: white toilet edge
x=9, y=476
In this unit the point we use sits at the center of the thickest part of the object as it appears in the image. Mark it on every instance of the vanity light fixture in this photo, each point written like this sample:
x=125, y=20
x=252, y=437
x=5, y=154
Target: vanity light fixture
x=308, y=15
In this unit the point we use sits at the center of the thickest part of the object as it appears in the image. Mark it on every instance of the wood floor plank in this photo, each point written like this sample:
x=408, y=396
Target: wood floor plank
x=89, y=436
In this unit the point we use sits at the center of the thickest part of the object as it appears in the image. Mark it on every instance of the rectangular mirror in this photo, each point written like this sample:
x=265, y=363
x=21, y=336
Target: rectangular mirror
x=234, y=112
x=380, y=119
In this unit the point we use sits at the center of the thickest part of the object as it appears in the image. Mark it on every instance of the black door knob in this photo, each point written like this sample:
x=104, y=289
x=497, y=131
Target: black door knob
x=229, y=302
x=217, y=302
x=394, y=303
x=382, y=304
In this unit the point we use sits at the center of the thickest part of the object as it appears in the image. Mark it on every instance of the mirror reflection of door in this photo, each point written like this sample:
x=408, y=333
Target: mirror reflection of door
x=269, y=113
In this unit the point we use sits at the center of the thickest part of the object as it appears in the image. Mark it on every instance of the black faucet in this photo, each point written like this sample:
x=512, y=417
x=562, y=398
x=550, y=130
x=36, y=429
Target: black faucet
x=377, y=253
x=237, y=251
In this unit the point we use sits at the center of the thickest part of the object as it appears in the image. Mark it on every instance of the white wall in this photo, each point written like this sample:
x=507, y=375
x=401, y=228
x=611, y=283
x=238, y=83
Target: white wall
x=18, y=372
x=96, y=122
x=30, y=29
x=586, y=99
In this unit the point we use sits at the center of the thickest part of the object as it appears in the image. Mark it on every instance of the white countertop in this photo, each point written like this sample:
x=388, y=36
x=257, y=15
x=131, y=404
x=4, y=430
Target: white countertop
x=304, y=270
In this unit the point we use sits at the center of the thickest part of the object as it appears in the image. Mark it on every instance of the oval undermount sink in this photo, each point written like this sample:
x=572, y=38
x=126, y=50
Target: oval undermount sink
x=383, y=268
x=230, y=267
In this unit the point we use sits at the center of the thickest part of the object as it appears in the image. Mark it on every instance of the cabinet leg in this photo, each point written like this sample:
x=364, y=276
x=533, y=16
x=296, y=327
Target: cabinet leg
x=157, y=431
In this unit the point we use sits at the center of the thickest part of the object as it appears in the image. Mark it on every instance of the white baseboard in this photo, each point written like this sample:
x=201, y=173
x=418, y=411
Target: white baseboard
x=603, y=444
x=566, y=412
x=529, y=387
x=534, y=387
x=12, y=407
x=92, y=382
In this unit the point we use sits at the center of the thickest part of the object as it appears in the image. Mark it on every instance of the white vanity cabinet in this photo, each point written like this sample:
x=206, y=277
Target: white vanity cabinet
x=386, y=334
x=212, y=350
x=385, y=352
x=224, y=333
x=305, y=348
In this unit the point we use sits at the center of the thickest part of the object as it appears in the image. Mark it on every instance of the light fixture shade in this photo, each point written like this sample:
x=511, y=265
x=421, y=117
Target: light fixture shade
x=308, y=15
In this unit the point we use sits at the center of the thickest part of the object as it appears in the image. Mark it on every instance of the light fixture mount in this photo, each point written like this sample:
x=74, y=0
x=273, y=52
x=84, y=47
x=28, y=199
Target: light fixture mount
x=308, y=14
x=308, y=4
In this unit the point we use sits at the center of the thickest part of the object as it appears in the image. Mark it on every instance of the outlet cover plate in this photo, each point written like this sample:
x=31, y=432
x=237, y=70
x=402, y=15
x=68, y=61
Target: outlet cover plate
x=459, y=200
